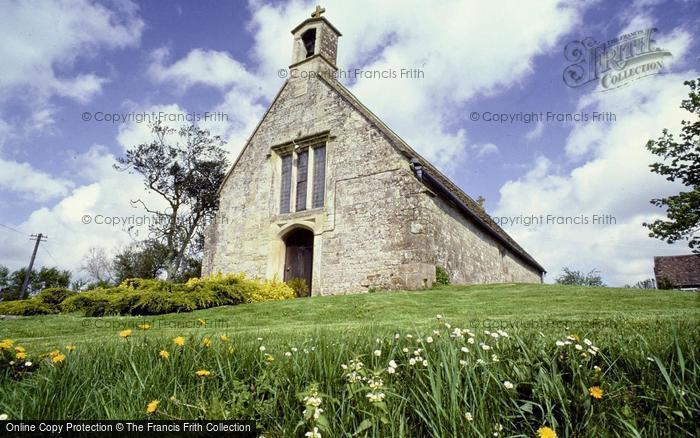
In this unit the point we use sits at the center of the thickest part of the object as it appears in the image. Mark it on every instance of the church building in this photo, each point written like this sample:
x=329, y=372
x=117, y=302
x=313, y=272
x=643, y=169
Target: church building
x=324, y=191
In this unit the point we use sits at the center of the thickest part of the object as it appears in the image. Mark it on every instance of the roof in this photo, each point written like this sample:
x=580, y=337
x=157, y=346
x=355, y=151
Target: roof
x=468, y=205
x=317, y=19
x=681, y=271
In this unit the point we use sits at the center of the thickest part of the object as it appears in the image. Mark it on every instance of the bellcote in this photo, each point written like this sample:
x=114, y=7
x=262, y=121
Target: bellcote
x=315, y=44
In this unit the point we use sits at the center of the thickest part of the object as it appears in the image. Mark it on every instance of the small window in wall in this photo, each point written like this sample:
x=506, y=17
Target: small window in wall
x=309, y=40
x=286, y=184
x=302, y=174
x=319, y=184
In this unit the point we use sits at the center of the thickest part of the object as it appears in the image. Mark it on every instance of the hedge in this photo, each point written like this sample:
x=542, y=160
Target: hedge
x=138, y=296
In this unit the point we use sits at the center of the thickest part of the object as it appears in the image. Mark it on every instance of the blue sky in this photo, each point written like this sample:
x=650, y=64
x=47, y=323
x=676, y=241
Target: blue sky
x=64, y=58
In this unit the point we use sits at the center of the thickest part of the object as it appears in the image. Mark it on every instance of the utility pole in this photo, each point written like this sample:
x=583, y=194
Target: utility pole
x=39, y=238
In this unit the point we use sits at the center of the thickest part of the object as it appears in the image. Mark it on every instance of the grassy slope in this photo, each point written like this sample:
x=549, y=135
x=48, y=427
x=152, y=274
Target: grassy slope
x=527, y=305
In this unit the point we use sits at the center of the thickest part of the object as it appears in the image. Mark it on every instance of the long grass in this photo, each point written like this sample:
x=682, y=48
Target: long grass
x=649, y=382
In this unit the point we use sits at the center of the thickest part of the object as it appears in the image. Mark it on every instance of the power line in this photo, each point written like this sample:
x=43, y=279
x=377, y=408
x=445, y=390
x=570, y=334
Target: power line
x=50, y=255
x=12, y=229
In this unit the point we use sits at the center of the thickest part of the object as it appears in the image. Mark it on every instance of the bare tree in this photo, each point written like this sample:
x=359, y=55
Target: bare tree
x=98, y=266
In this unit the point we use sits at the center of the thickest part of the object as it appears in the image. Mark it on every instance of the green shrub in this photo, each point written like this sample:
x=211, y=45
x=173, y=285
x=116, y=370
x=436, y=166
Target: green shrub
x=299, y=286
x=54, y=296
x=96, y=302
x=156, y=303
x=441, y=276
x=25, y=307
x=269, y=290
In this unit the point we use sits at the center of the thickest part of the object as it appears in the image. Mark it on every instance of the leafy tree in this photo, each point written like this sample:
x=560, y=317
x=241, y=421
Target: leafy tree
x=649, y=283
x=578, y=278
x=38, y=280
x=681, y=161
x=145, y=259
x=185, y=167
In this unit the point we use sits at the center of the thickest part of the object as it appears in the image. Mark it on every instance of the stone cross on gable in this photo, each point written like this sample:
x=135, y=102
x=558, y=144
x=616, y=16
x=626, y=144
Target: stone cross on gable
x=317, y=13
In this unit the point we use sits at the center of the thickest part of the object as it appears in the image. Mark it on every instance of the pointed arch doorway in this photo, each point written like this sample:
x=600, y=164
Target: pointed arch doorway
x=299, y=255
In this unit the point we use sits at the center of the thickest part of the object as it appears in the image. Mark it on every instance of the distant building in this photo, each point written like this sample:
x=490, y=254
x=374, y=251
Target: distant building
x=678, y=272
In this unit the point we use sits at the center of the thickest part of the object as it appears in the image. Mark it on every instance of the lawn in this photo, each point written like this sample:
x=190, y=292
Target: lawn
x=507, y=359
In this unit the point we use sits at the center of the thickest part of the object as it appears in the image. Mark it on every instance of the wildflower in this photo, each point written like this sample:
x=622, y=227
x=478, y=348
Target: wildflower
x=559, y=344
x=294, y=349
x=480, y=362
x=313, y=433
x=429, y=340
x=597, y=369
x=6, y=344
x=448, y=326
x=262, y=348
x=70, y=347
x=404, y=349
x=592, y=352
x=436, y=332
x=397, y=336
x=546, y=432
x=125, y=333
x=269, y=358
x=579, y=347
x=650, y=359
x=313, y=400
x=3, y=417
x=27, y=364
x=203, y=373
x=375, y=383
x=425, y=363
x=495, y=335
x=224, y=338
x=596, y=392
x=494, y=358
x=21, y=355
x=145, y=326
x=375, y=397
x=469, y=416
x=465, y=350
x=438, y=316
x=58, y=358
x=377, y=353
x=508, y=385
x=289, y=353
x=179, y=341
x=54, y=353
x=259, y=339
x=470, y=340
x=587, y=341
x=411, y=361
x=505, y=335
x=573, y=337
x=391, y=370
x=206, y=342
x=231, y=349
x=202, y=322
x=485, y=347
x=392, y=364
x=152, y=406
x=462, y=362
x=20, y=349
x=409, y=336
x=164, y=354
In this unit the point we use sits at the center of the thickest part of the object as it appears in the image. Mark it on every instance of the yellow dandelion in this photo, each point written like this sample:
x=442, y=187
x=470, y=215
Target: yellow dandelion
x=164, y=354
x=224, y=338
x=180, y=341
x=206, y=342
x=58, y=358
x=202, y=322
x=125, y=333
x=6, y=344
x=203, y=373
x=21, y=355
x=596, y=392
x=152, y=406
x=144, y=326
x=269, y=358
x=231, y=349
x=54, y=353
x=20, y=349
x=71, y=347
x=546, y=432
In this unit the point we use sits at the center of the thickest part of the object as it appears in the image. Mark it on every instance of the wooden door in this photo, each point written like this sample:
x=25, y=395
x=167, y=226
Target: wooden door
x=298, y=262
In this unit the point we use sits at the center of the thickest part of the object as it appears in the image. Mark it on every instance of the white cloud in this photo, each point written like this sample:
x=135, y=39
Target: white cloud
x=611, y=177
x=485, y=149
x=41, y=42
x=31, y=183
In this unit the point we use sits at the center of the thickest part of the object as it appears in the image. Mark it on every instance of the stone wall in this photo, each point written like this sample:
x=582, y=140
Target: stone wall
x=379, y=227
